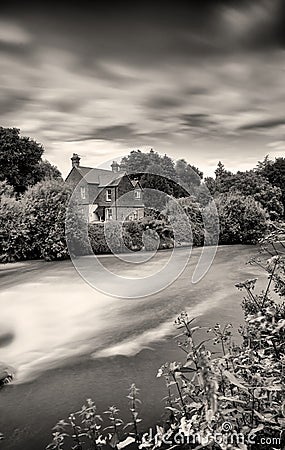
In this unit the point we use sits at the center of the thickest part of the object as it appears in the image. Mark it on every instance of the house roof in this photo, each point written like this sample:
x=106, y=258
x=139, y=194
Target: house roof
x=102, y=177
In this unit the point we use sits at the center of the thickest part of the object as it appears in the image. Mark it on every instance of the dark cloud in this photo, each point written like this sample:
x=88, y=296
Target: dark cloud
x=67, y=105
x=13, y=101
x=196, y=91
x=155, y=33
x=143, y=73
x=164, y=102
x=268, y=123
x=197, y=121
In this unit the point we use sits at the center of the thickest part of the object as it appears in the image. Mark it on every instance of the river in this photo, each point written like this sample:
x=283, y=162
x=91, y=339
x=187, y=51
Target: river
x=68, y=342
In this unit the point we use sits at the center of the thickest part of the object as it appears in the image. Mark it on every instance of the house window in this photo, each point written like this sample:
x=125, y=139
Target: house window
x=135, y=215
x=83, y=192
x=109, y=195
x=137, y=194
x=109, y=214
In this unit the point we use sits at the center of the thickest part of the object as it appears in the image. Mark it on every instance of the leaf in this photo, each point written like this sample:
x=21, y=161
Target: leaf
x=283, y=408
x=232, y=378
x=276, y=387
x=262, y=417
x=233, y=399
x=129, y=440
x=186, y=370
x=114, y=440
x=172, y=409
x=259, y=428
x=129, y=424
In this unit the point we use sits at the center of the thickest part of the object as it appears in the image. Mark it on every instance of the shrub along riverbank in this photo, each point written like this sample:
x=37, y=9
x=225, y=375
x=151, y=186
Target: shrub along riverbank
x=33, y=226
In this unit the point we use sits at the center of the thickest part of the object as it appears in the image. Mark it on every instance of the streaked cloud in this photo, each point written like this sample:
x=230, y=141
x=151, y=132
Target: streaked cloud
x=203, y=82
x=13, y=34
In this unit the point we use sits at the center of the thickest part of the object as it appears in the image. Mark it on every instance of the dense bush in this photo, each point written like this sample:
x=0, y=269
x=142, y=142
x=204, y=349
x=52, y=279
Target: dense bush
x=33, y=226
x=97, y=238
x=242, y=220
x=132, y=235
x=265, y=184
x=230, y=399
x=158, y=228
x=15, y=241
x=149, y=234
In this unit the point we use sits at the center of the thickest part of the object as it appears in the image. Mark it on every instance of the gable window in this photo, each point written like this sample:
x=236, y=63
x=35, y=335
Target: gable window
x=109, y=214
x=109, y=195
x=137, y=194
x=83, y=192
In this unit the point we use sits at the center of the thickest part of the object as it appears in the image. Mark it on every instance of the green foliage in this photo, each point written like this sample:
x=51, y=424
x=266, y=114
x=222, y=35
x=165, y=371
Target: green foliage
x=132, y=235
x=274, y=172
x=242, y=220
x=187, y=174
x=148, y=234
x=20, y=160
x=14, y=233
x=45, y=207
x=97, y=239
x=46, y=171
x=230, y=399
x=6, y=189
x=253, y=183
x=33, y=226
x=193, y=211
x=162, y=174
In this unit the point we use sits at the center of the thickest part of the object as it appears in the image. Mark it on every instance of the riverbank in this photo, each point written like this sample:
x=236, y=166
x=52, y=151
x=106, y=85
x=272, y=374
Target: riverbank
x=126, y=343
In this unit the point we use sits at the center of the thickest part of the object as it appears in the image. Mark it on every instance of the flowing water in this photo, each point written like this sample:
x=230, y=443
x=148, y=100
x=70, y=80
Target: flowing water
x=53, y=323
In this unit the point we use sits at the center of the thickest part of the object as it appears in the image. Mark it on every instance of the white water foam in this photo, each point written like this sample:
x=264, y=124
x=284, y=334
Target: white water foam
x=130, y=347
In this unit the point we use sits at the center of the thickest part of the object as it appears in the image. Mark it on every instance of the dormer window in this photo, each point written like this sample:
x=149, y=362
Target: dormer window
x=109, y=195
x=83, y=192
x=137, y=194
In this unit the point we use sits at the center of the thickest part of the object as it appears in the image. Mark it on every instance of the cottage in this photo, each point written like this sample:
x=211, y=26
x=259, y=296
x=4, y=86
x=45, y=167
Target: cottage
x=106, y=194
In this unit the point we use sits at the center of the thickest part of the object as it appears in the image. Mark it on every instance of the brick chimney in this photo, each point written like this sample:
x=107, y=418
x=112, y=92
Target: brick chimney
x=115, y=166
x=75, y=160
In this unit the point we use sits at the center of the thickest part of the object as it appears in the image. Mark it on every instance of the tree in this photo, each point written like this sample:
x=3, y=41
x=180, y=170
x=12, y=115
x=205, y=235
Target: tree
x=14, y=235
x=45, y=206
x=34, y=226
x=274, y=172
x=46, y=171
x=210, y=183
x=160, y=173
x=223, y=178
x=136, y=162
x=20, y=160
x=250, y=183
x=154, y=172
x=187, y=174
x=242, y=219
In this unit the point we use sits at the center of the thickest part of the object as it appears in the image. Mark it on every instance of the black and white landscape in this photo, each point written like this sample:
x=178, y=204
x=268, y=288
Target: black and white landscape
x=142, y=231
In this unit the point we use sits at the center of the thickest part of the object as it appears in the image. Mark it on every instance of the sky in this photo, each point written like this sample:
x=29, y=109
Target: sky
x=204, y=82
